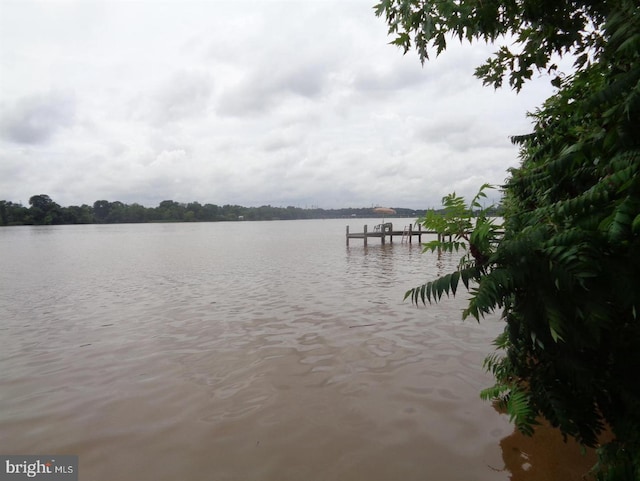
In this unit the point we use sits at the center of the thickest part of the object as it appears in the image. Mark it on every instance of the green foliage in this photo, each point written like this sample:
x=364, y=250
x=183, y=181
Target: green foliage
x=13, y=214
x=565, y=274
x=537, y=30
x=44, y=211
x=459, y=227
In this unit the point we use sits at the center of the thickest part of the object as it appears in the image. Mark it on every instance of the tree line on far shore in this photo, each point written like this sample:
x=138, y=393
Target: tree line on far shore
x=43, y=210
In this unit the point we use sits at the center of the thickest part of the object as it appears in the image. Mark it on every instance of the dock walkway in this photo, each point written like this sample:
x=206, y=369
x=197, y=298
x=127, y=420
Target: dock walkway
x=385, y=230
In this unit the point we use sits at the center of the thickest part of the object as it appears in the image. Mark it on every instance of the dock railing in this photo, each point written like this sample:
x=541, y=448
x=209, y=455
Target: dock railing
x=386, y=230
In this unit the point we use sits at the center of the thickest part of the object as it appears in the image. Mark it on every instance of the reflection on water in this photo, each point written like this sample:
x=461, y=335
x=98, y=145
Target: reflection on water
x=241, y=351
x=545, y=457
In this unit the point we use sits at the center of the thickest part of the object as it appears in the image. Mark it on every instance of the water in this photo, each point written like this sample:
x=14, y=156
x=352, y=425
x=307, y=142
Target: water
x=247, y=351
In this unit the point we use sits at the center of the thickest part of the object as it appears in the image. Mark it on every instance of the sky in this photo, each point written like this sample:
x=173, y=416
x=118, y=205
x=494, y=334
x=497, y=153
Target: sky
x=286, y=103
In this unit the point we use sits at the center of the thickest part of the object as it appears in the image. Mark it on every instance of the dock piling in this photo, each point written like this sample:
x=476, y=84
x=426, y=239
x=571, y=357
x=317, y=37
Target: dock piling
x=386, y=230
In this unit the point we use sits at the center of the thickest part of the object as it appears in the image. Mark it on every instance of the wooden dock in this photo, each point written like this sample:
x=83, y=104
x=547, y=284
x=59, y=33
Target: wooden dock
x=384, y=231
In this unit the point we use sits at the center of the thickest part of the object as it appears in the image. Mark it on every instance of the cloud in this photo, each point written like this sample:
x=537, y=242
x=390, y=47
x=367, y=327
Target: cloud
x=391, y=77
x=186, y=94
x=259, y=91
x=299, y=102
x=36, y=118
x=460, y=134
x=276, y=59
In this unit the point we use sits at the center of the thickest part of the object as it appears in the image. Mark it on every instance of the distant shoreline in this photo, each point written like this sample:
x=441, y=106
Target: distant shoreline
x=42, y=210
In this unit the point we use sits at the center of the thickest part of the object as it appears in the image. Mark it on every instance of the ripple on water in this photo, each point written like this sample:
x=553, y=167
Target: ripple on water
x=241, y=351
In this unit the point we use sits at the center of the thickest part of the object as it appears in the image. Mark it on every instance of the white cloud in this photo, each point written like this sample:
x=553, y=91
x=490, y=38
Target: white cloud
x=184, y=95
x=283, y=102
x=35, y=119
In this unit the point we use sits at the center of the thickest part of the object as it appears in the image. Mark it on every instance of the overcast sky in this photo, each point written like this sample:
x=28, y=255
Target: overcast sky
x=299, y=103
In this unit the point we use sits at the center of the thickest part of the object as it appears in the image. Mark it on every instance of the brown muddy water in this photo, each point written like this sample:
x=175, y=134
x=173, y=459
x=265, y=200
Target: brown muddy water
x=248, y=351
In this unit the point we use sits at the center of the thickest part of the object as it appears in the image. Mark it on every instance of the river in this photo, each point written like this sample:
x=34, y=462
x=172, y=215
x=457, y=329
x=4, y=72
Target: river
x=266, y=351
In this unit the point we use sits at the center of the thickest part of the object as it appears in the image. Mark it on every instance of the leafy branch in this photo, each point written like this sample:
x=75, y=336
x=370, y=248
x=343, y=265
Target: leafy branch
x=459, y=227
